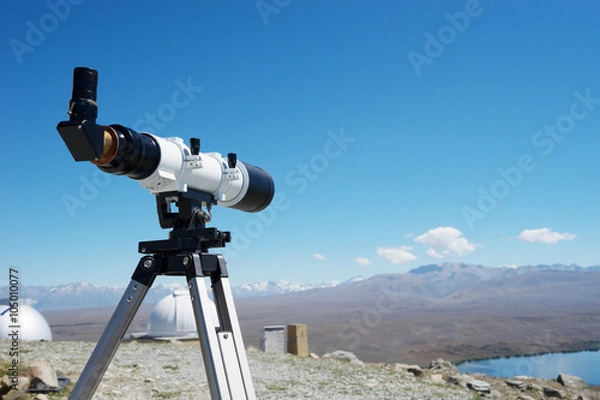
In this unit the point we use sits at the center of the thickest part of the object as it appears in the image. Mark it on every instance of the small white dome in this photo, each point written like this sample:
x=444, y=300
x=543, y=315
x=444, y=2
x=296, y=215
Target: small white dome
x=173, y=316
x=31, y=325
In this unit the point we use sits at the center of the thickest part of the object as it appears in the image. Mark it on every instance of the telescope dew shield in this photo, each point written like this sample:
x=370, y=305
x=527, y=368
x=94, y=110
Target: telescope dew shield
x=260, y=190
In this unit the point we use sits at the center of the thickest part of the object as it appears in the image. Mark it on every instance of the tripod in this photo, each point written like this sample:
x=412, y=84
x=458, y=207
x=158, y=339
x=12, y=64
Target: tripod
x=184, y=253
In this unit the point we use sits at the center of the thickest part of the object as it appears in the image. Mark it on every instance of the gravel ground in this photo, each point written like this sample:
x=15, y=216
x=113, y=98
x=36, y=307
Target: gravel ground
x=164, y=370
x=175, y=370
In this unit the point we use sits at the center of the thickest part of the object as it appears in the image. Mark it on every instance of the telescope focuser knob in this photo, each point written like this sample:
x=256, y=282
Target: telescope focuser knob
x=195, y=146
x=231, y=160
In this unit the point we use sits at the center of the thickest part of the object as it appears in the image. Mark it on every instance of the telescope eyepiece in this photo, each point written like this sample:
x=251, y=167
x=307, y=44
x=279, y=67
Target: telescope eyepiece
x=83, y=104
x=85, y=83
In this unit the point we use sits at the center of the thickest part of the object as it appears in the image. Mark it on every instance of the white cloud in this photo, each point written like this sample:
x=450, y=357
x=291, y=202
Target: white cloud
x=544, y=235
x=446, y=241
x=397, y=255
x=363, y=261
x=319, y=256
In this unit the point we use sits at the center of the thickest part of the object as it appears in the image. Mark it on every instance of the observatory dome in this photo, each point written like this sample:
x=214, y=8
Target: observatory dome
x=31, y=324
x=173, y=316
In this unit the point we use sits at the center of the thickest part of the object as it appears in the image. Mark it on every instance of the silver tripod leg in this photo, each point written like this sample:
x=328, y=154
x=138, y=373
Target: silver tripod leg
x=109, y=342
x=221, y=341
x=224, y=355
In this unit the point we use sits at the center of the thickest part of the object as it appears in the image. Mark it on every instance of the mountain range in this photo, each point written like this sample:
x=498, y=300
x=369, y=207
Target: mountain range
x=425, y=282
x=86, y=295
x=453, y=311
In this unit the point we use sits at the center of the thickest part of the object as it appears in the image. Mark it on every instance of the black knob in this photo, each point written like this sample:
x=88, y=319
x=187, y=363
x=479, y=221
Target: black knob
x=195, y=145
x=232, y=160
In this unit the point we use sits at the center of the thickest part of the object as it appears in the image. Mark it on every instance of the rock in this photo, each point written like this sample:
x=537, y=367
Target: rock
x=521, y=377
x=515, y=384
x=436, y=378
x=460, y=380
x=314, y=356
x=571, y=381
x=347, y=356
x=8, y=391
x=40, y=396
x=524, y=397
x=5, y=384
x=42, y=375
x=551, y=392
x=441, y=364
x=415, y=370
x=534, y=386
x=479, y=386
x=399, y=367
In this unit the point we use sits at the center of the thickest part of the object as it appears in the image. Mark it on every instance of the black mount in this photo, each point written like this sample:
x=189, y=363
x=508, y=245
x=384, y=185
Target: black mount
x=189, y=238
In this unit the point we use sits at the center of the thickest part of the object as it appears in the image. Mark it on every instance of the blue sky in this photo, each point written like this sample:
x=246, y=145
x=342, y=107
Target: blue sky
x=398, y=133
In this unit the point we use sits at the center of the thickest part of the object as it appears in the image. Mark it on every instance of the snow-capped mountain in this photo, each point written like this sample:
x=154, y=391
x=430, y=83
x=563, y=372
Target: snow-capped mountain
x=86, y=295
x=273, y=288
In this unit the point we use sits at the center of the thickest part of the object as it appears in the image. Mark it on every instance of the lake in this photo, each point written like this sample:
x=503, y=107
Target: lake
x=585, y=364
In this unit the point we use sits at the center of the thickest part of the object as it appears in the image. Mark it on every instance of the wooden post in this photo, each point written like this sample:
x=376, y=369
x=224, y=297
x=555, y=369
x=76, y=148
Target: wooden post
x=297, y=340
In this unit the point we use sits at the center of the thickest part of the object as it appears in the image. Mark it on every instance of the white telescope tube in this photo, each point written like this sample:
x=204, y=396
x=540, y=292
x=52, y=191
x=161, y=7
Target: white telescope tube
x=243, y=186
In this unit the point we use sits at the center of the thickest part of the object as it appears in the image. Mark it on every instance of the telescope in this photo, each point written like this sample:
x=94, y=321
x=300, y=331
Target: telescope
x=161, y=165
x=180, y=174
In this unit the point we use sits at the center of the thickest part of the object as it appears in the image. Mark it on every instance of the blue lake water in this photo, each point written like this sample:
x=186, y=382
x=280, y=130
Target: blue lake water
x=585, y=364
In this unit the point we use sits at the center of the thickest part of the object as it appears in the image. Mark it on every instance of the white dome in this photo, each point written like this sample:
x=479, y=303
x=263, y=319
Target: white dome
x=31, y=324
x=173, y=316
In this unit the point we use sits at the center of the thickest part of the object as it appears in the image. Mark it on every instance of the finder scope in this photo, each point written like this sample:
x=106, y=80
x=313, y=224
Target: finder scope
x=159, y=164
